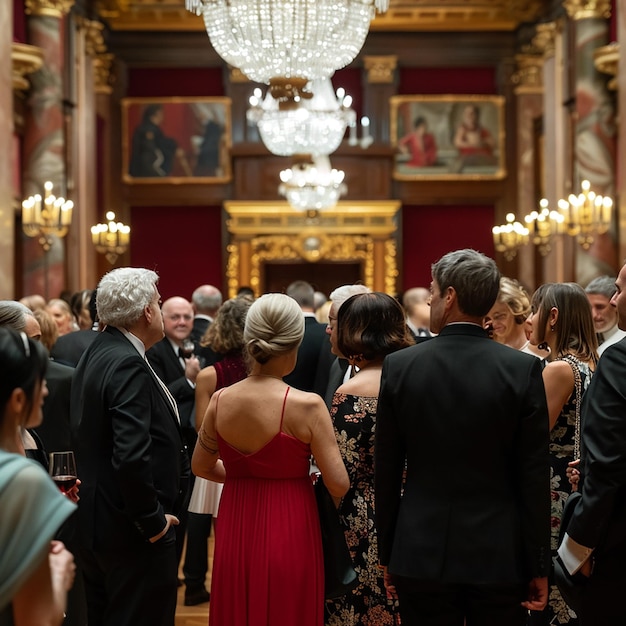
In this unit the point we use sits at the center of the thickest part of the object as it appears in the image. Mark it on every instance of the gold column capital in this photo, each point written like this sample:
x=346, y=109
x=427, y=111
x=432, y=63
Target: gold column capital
x=528, y=77
x=545, y=38
x=25, y=59
x=94, y=37
x=103, y=75
x=380, y=69
x=606, y=60
x=586, y=9
x=48, y=8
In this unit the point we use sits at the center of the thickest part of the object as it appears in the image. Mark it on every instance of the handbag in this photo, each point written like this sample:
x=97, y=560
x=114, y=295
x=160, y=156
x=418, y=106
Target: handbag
x=339, y=574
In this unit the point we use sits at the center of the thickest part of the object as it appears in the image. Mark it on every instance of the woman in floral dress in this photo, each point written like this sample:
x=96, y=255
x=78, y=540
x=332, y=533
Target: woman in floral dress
x=369, y=326
x=561, y=320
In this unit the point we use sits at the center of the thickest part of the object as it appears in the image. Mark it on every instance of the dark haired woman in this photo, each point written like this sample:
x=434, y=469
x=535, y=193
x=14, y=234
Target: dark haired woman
x=35, y=572
x=561, y=320
x=369, y=327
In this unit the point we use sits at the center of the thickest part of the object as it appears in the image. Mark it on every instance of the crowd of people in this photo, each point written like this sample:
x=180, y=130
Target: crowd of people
x=450, y=426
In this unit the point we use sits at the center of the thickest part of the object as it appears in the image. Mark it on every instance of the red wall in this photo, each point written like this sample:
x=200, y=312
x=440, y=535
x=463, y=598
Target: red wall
x=429, y=232
x=182, y=245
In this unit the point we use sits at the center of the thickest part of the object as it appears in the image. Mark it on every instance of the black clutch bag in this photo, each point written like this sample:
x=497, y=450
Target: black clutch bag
x=339, y=574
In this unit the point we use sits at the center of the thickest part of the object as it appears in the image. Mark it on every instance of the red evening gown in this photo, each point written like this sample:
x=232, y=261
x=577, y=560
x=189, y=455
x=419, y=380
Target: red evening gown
x=268, y=564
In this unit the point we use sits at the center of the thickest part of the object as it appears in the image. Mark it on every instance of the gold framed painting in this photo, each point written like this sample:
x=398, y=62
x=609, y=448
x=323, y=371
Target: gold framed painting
x=176, y=140
x=448, y=137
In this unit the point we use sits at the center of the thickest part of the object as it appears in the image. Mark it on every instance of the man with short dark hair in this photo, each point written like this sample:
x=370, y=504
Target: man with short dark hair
x=462, y=464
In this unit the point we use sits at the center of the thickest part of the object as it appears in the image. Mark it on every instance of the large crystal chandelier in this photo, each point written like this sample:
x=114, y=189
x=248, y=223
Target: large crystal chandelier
x=312, y=185
x=294, y=39
x=310, y=125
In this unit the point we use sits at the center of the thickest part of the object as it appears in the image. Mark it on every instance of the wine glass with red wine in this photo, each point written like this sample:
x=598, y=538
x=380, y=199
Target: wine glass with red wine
x=186, y=349
x=63, y=470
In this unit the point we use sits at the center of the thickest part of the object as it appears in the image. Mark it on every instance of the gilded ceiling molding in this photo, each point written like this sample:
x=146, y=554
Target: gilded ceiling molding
x=403, y=15
x=545, y=38
x=586, y=9
x=380, y=69
x=25, y=60
x=48, y=8
x=528, y=78
x=606, y=60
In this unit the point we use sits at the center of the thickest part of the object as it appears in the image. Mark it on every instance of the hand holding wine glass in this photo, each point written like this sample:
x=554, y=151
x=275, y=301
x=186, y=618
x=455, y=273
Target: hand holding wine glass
x=63, y=470
x=186, y=349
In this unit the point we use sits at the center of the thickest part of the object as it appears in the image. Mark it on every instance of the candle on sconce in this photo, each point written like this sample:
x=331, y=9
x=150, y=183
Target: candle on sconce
x=352, y=138
x=366, y=137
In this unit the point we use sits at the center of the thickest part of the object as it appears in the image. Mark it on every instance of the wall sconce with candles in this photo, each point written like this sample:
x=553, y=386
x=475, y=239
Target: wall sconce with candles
x=543, y=225
x=46, y=217
x=585, y=214
x=110, y=239
x=507, y=238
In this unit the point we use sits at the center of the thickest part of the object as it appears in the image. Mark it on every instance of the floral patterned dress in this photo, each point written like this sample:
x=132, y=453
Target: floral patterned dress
x=354, y=418
x=562, y=439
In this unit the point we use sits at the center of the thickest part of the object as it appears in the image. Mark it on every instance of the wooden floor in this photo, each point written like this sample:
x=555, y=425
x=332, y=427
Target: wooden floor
x=195, y=615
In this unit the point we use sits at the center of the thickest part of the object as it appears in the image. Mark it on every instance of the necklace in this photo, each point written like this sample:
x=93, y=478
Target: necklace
x=265, y=376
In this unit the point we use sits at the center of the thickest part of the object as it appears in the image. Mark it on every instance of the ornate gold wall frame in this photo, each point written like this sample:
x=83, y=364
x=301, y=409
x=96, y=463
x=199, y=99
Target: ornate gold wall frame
x=261, y=232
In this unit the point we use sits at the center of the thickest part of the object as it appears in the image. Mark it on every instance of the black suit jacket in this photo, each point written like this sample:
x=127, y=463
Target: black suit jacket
x=54, y=431
x=206, y=354
x=68, y=349
x=303, y=375
x=470, y=417
x=129, y=449
x=169, y=369
x=599, y=520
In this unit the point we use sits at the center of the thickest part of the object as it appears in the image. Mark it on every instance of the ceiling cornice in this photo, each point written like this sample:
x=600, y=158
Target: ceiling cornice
x=403, y=15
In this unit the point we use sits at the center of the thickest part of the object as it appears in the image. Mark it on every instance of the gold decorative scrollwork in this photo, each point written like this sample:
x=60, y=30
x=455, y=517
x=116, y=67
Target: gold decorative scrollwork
x=588, y=9
x=380, y=69
x=48, y=8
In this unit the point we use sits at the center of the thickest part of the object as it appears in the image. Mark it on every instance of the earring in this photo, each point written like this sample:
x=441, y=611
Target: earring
x=552, y=328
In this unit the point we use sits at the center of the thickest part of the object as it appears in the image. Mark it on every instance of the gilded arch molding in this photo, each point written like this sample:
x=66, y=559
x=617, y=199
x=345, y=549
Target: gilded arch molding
x=260, y=232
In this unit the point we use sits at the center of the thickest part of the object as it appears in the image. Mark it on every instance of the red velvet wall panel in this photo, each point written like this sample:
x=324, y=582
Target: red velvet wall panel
x=172, y=82
x=19, y=21
x=447, y=80
x=429, y=232
x=182, y=245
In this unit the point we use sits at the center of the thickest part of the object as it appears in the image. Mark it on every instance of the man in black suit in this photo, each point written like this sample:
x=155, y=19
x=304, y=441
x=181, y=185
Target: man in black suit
x=206, y=301
x=303, y=375
x=594, y=545
x=131, y=458
x=462, y=464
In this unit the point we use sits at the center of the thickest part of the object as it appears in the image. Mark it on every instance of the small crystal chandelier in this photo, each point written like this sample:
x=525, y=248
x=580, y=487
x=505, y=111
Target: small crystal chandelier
x=311, y=185
x=543, y=225
x=293, y=39
x=110, y=239
x=507, y=238
x=46, y=217
x=303, y=125
x=586, y=213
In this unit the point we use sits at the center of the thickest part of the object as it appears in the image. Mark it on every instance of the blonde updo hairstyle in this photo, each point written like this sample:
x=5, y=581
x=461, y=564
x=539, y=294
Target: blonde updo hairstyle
x=515, y=297
x=274, y=325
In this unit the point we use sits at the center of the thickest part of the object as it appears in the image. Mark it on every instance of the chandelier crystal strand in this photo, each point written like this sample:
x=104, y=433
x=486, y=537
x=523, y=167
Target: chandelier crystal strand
x=312, y=126
x=312, y=185
x=266, y=39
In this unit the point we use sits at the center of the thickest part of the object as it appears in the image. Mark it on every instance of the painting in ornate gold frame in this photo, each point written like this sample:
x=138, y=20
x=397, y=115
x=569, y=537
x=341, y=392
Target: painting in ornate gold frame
x=176, y=140
x=448, y=137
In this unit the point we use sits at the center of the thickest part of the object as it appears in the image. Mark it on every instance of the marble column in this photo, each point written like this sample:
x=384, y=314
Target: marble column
x=528, y=81
x=380, y=85
x=595, y=132
x=7, y=246
x=44, y=142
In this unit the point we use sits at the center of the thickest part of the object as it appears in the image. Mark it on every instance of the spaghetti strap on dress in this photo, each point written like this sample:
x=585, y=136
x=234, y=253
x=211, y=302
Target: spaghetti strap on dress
x=268, y=564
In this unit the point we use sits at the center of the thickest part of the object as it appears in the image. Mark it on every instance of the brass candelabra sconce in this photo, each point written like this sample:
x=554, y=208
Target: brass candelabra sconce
x=111, y=238
x=543, y=225
x=46, y=217
x=507, y=238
